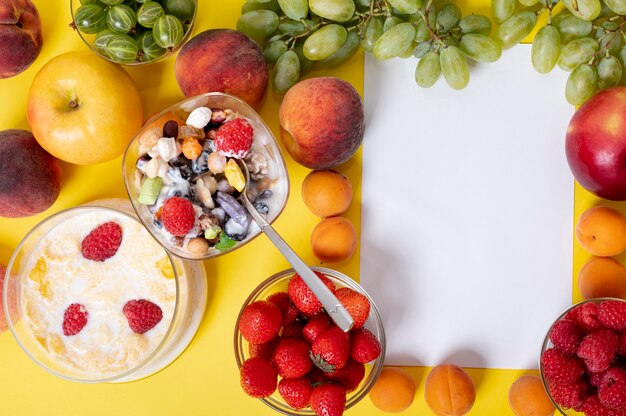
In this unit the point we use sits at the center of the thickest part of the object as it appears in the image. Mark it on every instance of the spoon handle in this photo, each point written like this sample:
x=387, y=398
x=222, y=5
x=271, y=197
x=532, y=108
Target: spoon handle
x=335, y=309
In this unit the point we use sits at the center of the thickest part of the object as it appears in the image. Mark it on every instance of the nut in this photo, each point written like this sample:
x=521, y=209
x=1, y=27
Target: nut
x=210, y=182
x=216, y=162
x=197, y=246
x=204, y=194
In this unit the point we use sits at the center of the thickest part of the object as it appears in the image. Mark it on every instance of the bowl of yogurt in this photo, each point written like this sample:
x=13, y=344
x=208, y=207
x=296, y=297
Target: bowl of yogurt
x=183, y=180
x=98, y=299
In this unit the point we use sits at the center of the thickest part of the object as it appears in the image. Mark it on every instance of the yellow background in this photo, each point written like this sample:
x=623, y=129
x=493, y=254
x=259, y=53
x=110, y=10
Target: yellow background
x=204, y=380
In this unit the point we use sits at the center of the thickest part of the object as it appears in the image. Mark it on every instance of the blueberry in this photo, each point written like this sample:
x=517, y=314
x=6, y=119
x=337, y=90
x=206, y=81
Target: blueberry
x=158, y=224
x=261, y=207
x=199, y=165
x=170, y=129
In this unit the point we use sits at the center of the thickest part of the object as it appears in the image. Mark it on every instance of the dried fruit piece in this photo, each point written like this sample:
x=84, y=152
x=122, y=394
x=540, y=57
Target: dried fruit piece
x=191, y=148
x=234, y=175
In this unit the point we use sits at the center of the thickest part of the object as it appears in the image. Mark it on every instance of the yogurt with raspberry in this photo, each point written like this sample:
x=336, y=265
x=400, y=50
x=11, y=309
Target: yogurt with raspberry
x=58, y=275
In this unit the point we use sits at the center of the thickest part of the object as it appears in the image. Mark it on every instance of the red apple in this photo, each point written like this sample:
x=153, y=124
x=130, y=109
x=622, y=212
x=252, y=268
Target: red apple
x=20, y=36
x=595, y=144
x=321, y=122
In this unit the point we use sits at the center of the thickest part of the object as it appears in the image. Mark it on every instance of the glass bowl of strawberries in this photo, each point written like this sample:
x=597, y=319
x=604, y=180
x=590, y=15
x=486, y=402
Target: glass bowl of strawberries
x=294, y=358
x=583, y=359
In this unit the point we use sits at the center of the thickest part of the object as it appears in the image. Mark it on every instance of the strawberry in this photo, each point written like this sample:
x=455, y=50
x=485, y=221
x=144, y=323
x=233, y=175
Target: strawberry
x=331, y=349
x=364, y=346
x=264, y=350
x=102, y=242
x=258, y=377
x=315, y=326
x=316, y=375
x=296, y=391
x=328, y=400
x=142, y=315
x=288, y=309
x=234, y=138
x=260, y=321
x=178, y=216
x=349, y=376
x=293, y=330
x=303, y=297
x=357, y=305
x=74, y=319
x=291, y=358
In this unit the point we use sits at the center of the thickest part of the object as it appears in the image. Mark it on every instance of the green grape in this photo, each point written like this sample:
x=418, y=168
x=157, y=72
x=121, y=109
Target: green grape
x=408, y=52
x=148, y=13
x=83, y=2
x=258, y=24
x=609, y=72
x=274, y=50
x=422, y=48
x=183, y=9
x=392, y=21
x=112, y=2
x=503, y=9
x=90, y=18
x=480, y=48
x=454, y=67
x=373, y=31
x=148, y=47
x=294, y=9
x=405, y=6
x=451, y=41
x=122, y=49
x=576, y=52
x=250, y=5
x=529, y=3
x=324, y=42
x=168, y=31
x=581, y=84
x=121, y=18
x=394, y=42
x=448, y=17
x=571, y=27
x=618, y=6
x=335, y=10
x=305, y=63
x=292, y=28
x=286, y=72
x=349, y=48
x=364, y=4
x=421, y=31
x=475, y=23
x=611, y=42
x=583, y=9
x=514, y=29
x=428, y=70
x=546, y=48
x=102, y=40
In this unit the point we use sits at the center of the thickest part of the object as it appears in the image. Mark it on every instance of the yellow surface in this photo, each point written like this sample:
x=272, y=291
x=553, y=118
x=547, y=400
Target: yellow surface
x=204, y=380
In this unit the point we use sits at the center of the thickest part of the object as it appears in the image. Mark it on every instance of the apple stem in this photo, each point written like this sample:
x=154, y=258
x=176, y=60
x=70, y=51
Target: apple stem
x=73, y=103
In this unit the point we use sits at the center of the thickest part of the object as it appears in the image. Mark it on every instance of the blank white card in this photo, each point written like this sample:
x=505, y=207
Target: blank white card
x=466, y=234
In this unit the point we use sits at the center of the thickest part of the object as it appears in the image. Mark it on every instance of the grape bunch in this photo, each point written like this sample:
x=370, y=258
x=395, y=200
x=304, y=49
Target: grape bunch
x=129, y=31
x=586, y=39
x=297, y=34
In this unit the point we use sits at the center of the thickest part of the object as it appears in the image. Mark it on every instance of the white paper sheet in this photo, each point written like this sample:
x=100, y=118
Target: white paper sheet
x=466, y=234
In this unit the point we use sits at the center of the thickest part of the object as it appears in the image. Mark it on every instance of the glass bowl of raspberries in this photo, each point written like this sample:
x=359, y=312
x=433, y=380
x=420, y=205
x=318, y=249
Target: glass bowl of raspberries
x=294, y=358
x=583, y=359
x=182, y=175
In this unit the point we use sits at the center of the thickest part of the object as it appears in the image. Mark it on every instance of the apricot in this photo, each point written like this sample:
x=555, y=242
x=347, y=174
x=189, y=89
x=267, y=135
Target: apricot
x=327, y=193
x=527, y=397
x=449, y=391
x=602, y=231
x=602, y=277
x=393, y=391
x=334, y=240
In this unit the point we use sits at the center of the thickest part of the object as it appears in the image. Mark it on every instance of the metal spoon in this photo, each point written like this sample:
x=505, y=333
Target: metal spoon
x=335, y=309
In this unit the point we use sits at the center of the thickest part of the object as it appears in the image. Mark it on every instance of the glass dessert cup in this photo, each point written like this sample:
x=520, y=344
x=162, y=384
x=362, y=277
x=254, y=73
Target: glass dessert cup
x=59, y=354
x=89, y=39
x=547, y=344
x=278, y=283
x=264, y=161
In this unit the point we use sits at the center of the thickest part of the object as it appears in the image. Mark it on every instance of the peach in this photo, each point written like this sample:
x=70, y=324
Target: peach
x=20, y=36
x=222, y=60
x=11, y=298
x=449, y=391
x=393, y=391
x=31, y=177
x=321, y=122
x=602, y=277
x=602, y=231
x=527, y=397
x=334, y=240
x=327, y=193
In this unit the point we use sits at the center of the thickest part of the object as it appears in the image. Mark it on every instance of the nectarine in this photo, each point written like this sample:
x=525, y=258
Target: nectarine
x=602, y=277
x=20, y=36
x=327, y=193
x=334, y=240
x=602, y=231
x=527, y=397
x=449, y=391
x=393, y=391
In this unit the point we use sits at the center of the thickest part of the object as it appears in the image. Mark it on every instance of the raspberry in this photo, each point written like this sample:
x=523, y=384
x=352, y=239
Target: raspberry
x=142, y=315
x=598, y=350
x=102, y=242
x=74, y=319
x=621, y=349
x=612, y=314
x=561, y=368
x=570, y=396
x=594, y=407
x=234, y=138
x=178, y=216
x=595, y=379
x=586, y=316
x=566, y=336
x=612, y=391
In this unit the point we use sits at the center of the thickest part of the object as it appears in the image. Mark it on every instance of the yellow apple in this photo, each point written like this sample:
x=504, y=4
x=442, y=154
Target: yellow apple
x=83, y=109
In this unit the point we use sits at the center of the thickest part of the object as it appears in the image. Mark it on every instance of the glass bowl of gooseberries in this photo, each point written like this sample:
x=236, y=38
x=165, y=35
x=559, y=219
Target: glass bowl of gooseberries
x=133, y=32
